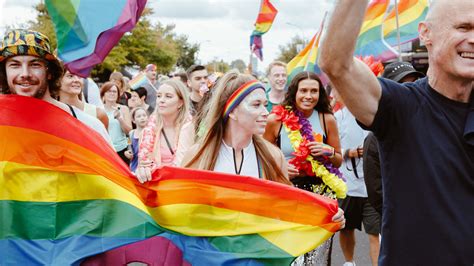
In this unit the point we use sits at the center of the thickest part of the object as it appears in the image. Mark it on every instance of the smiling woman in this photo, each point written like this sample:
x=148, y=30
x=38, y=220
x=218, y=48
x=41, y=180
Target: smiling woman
x=306, y=131
x=70, y=93
x=119, y=118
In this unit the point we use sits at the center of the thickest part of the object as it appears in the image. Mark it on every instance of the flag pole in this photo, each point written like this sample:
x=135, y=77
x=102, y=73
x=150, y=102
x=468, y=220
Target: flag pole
x=382, y=37
x=250, y=69
x=316, y=41
x=398, y=32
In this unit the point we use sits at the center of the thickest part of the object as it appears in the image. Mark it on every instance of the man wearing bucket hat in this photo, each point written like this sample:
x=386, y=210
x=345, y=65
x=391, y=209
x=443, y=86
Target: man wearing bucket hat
x=41, y=78
x=425, y=131
x=29, y=68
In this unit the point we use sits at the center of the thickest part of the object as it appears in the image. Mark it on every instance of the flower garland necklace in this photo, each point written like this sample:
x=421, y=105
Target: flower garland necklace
x=300, y=134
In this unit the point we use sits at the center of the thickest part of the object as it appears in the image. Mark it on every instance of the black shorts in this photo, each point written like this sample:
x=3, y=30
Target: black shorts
x=357, y=210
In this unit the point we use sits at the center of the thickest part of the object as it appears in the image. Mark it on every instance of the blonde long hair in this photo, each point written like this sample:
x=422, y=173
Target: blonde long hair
x=210, y=142
x=183, y=113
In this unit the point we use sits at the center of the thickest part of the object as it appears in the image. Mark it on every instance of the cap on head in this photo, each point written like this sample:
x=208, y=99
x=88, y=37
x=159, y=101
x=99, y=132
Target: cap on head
x=27, y=42
x=396, y=71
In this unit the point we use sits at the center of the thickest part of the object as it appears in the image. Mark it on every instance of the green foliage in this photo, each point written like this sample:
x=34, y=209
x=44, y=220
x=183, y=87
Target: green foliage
x=147, y=43
x=187, y=52
x=217, y=66
x=44, y=24
x=291, y=49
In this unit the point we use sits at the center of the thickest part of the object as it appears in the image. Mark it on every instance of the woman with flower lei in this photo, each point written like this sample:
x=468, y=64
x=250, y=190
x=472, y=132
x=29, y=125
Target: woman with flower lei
x=306, y=131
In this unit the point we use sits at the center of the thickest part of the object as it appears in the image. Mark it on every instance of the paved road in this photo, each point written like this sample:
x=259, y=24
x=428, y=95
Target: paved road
x=361, y=255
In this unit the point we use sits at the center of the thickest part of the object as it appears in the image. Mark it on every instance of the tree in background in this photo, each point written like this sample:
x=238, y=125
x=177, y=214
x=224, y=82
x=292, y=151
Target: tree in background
x=239, y=64
x=147, y=43
x=187, y=52
x=217, y=66
x=44, y=24
x=291, y=49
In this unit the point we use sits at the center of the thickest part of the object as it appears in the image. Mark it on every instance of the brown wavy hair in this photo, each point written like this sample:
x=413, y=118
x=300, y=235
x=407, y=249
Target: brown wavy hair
x=55, y=70
x=323, y=105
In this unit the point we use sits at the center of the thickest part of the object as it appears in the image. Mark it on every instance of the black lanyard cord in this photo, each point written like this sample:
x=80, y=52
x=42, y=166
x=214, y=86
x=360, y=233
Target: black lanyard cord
x=237, y=171
x=167, y=142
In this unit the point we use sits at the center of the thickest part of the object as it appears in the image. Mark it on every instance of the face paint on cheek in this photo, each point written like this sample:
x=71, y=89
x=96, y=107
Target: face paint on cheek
x=249, y=100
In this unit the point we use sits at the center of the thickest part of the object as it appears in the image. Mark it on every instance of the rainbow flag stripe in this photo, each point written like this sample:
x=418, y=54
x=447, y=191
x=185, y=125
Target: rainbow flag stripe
x=85, y=35
x=66, y=195
x=370, y=40
x=265, y=18
x=138, y=81
x=410, y=14
x=264, y=22
x=306, y=60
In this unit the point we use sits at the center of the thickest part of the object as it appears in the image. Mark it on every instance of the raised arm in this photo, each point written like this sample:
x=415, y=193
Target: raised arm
x=354, y=80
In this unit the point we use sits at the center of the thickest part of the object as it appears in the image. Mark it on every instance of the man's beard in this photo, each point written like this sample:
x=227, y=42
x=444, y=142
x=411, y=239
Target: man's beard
x=40, y=93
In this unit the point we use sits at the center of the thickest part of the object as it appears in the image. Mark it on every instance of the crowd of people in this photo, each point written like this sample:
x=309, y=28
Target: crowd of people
x=403, y=143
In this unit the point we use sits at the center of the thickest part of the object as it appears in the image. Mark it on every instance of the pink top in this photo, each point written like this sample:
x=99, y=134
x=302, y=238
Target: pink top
x=167, y=158
x=152, y=149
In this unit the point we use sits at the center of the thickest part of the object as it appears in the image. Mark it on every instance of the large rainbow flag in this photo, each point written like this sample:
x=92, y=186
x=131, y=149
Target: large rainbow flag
x=65, y=195
x=87, y=30
x=370, y=42
x=264, y=22
x=306, y=60
x=410, y=14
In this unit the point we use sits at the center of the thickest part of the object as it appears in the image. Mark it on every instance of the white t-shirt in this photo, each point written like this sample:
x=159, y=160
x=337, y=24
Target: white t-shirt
x=93, y=94
x=351, y=136
x=93, y=123
x=226, y=164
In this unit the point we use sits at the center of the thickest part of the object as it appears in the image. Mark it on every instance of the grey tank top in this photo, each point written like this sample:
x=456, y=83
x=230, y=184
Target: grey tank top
x=285, y=144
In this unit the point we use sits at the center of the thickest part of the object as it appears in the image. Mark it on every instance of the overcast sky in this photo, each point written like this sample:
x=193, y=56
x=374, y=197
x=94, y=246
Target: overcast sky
x=221, y=27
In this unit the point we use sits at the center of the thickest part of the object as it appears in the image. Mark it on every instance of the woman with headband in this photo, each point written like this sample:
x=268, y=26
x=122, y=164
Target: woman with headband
x=236, y=119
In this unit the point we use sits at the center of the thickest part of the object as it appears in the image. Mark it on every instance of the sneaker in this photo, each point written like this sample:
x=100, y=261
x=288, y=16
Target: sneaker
x=349, y=263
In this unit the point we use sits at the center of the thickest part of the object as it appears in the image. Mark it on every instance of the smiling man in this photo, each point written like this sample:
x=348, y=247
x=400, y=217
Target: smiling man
x=425, y=131
x=29, y=68
x=276, y=74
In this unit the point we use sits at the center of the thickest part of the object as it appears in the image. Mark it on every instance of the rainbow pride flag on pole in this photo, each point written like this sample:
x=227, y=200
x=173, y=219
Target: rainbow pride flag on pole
x=87, y=30
x=65, y=195
x=138, y=81
x=306, y=60
x=410, y=14
x=264, y=22
x=370, y=41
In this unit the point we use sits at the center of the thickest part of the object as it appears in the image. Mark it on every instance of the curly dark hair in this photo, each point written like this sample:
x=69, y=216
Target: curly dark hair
x=323, y=105
x=55, y=71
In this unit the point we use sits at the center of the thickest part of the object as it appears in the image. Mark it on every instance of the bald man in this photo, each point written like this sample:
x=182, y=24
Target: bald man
x=425, y=130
